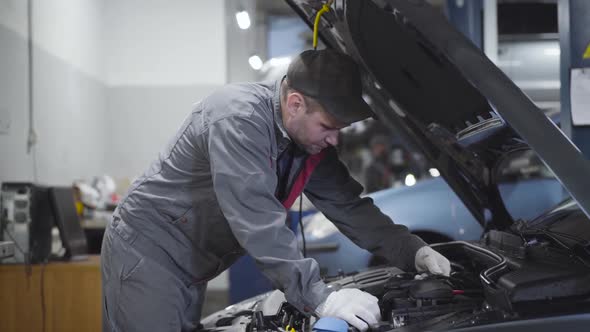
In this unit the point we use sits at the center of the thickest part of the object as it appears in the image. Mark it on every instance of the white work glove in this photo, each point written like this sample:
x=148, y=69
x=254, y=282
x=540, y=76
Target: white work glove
x=427, y=259
x=356, y=307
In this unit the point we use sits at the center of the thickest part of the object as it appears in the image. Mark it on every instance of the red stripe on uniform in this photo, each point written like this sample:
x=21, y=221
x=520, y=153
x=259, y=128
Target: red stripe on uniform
x=310, y=164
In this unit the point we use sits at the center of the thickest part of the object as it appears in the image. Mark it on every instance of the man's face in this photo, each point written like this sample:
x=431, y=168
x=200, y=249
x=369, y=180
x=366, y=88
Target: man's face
x=309, y=126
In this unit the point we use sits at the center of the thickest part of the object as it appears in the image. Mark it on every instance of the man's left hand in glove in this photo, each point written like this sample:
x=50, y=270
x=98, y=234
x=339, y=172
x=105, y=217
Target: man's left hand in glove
x=429, y=260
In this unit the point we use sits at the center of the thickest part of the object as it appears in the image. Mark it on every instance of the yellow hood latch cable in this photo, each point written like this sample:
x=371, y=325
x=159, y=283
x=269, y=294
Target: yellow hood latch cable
x=316, y=23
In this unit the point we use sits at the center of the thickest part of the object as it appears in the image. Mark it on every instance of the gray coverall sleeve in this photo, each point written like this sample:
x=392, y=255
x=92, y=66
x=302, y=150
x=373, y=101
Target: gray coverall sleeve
x=244, y=183
x=334, y=192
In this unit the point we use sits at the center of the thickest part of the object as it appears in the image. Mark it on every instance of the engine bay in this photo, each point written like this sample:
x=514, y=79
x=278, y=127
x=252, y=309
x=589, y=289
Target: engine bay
x=497, y=280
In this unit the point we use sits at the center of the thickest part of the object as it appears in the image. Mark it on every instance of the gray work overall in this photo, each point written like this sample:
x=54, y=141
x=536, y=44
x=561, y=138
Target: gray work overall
x=218, y=191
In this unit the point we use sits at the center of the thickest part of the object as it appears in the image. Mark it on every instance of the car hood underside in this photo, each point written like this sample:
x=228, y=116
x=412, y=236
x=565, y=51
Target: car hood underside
x=429, y=83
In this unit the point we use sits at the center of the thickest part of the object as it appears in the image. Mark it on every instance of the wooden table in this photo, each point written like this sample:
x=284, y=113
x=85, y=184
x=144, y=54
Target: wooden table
x=70, y=291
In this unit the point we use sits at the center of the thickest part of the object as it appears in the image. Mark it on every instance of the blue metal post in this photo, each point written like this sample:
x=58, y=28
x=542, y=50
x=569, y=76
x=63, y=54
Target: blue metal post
x=466, y=16
x=574, y=38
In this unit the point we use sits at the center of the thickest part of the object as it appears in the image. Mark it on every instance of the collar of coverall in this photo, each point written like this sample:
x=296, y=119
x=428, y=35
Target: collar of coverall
x=283, y=139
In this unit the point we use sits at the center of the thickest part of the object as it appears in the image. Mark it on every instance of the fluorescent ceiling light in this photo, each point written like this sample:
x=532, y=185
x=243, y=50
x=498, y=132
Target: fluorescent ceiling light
x=434, y=172
x=255, y=62
x=410, y=180
x=243, y=19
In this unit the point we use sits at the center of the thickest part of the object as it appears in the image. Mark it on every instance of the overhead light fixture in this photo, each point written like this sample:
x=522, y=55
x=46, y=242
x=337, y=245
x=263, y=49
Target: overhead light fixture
x=434, y=172
x=255, y=62
x=243, y=19
x=410, y=180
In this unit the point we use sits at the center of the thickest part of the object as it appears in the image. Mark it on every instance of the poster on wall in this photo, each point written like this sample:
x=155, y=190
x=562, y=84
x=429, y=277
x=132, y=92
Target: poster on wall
x=580, y=96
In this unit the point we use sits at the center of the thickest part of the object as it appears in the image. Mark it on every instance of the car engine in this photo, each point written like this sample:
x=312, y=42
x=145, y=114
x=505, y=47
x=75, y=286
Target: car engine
x=403, y=299
x=497, y=280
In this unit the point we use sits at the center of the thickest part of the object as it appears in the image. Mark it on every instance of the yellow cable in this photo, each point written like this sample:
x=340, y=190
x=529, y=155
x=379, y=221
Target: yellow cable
x=316, y=24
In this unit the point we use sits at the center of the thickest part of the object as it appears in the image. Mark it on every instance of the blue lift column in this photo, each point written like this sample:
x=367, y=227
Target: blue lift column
x=467, y=16
x=574, y=39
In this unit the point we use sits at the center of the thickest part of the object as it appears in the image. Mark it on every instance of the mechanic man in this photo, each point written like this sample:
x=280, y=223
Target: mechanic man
x=222, y=188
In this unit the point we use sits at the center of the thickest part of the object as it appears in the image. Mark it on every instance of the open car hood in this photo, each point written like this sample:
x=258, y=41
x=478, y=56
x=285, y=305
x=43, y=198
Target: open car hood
x=430, y=83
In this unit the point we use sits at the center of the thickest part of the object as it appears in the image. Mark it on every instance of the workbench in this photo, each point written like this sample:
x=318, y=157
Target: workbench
x=56, y=297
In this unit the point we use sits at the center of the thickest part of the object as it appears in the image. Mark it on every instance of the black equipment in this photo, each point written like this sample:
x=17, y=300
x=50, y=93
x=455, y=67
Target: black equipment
x=26, y=220
x=64, y=209
x=28, y=214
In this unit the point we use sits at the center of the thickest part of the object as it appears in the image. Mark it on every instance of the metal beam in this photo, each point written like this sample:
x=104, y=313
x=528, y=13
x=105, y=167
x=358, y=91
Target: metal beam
x=466, y=16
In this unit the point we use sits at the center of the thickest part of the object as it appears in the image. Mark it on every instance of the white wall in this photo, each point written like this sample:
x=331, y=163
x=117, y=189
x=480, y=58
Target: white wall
x=180, y=42
x=68, y=93
x=14, y=162
x=162, y=57
x=113, y=79
x=71, y=30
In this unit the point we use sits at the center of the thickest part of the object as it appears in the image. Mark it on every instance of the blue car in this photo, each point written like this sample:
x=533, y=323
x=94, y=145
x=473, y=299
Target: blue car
x=429, y=209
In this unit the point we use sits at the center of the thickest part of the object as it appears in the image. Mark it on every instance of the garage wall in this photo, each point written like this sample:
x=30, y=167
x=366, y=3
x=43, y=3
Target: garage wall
x=112, y=82
x=14, y=161
x=162, y=57
x=68, y=92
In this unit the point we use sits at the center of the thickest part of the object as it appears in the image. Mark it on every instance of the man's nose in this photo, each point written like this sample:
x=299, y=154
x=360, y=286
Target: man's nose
x=332, y=138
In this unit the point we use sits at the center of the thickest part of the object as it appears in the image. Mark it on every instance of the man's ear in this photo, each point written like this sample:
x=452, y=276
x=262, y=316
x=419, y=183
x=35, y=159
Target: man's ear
x=295, y=103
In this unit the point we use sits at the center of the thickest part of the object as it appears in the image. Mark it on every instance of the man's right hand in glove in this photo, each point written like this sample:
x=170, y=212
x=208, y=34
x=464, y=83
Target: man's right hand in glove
x=358, y=308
